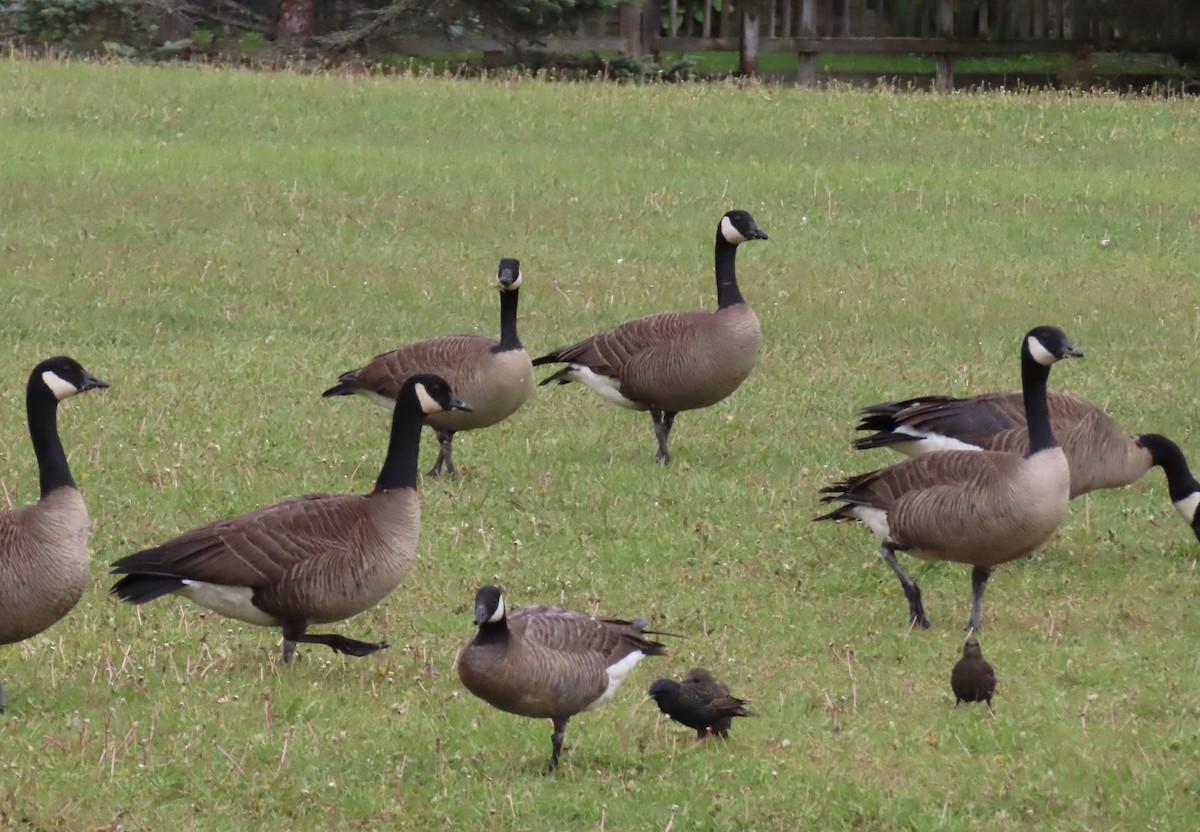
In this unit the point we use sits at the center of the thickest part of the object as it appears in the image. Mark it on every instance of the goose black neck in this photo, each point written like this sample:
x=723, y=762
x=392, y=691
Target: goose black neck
x=400, y=465
x=728, y=293
x=1037, y=409
x=41, y=408
x=508, y=321
x=1166, y=454
x=493, y=632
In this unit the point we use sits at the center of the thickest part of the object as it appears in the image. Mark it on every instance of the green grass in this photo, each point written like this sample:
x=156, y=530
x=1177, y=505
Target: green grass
x=219, y=245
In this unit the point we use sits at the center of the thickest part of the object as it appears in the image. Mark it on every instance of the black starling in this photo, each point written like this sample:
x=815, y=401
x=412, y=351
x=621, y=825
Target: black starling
x=700, y=701
x=973, y=679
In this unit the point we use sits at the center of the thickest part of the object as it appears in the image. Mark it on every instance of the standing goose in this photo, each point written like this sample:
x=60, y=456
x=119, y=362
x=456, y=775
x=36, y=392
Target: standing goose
x=308, y=560
x=1099, y=453
x=674, y=361
x=43, y=547
x=701, y=702
x=496, y=377
x=549, y=663
x=982, y=508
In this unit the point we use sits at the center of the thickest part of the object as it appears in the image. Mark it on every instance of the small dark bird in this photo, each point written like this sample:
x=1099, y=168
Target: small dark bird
x=973, y=679
x=700, y=701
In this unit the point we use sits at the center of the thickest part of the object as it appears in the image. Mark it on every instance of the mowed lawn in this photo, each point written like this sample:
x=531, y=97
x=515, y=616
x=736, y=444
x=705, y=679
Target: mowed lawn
x=219, y=245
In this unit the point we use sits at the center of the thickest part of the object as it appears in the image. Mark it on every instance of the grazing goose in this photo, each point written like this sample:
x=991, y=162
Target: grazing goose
x=674, y=361
x=1099, y=453
x=982, y=508
x=701, y=702
x=496, y=377
x=972, y=678
x=549, y=663
x=43, y=547
x=308, y=560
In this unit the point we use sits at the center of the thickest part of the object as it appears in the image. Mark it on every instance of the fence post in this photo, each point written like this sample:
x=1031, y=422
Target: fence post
x=945, y=60
x=650, y=24
x=631, y=30
x=806, y=62
x=748, y=40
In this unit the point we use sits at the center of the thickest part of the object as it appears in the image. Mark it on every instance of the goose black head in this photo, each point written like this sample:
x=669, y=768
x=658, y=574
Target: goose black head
x=738, y=227
x=1048, y=344
x=509, y=275
x=432, y=393
x=64, y=377
x=489, y=605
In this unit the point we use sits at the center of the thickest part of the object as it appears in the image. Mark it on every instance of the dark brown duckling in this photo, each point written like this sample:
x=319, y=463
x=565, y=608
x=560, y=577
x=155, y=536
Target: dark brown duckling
x=973, y=679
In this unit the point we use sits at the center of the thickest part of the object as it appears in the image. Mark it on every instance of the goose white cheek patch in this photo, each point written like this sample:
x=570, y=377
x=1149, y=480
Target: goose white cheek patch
x=428, y=404
x=498, y=615
x=1040, y=354
x=730, y=233
x=59, y=386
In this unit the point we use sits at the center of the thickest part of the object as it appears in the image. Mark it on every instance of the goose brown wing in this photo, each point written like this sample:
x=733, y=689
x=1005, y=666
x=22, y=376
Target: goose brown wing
x=954, y=470
x=385, y=373
x=253, y=549
x=609, y=353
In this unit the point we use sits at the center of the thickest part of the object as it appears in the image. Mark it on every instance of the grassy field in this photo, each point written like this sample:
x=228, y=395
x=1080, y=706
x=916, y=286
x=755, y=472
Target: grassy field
x=220, y=245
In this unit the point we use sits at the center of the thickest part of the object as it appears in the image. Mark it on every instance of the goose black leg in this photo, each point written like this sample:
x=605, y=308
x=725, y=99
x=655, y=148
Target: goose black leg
x=663, y=422
x=338, y=644
x=3, y=699
x=445, y=455
x=979, y=579
x=556, y=739
x=916, y=610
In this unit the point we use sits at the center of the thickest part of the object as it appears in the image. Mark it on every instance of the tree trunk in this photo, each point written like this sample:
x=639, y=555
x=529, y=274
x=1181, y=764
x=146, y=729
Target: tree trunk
x=296, y=19
x=749, y=40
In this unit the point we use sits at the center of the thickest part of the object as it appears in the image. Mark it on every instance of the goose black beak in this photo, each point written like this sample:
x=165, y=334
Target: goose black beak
x=90, y=381
x=481, y=614
x=507, y=277
x=1073, y=353
x=757, y=233
x=458, y=404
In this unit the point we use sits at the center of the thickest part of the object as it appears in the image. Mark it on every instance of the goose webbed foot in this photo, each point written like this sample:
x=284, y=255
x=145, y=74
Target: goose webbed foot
x=979, y=579
x=336, y=643
x=445, y=457
x=916, y=610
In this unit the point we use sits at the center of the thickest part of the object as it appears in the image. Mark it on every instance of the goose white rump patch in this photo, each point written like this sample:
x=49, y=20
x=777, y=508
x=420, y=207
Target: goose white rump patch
x=382, y=401
x=874, y=519
x=616, y=675
x=925, y=443
x=229, y=601
x=608, y=387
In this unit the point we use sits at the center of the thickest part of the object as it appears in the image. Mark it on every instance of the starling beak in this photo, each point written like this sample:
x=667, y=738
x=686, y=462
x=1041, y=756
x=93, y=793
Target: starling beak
x=973, y=679
x=700, y=701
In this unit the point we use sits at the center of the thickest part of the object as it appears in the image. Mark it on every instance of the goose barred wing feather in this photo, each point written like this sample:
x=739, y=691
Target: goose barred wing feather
x=254, y=549
x=604, y=640
x=385, y=373
x=611, y=352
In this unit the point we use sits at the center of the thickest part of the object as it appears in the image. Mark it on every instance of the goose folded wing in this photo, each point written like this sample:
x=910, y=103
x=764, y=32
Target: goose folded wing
x=253, y=549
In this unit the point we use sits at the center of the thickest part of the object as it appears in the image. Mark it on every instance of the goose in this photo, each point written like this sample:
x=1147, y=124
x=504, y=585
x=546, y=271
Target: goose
x=972, y=678
x=549, y=663
x=701, y=702
x=981, y=508
x=673, y=361
x=1099, y=453
x=496, y=377
x=43, y=547
x=306, y=560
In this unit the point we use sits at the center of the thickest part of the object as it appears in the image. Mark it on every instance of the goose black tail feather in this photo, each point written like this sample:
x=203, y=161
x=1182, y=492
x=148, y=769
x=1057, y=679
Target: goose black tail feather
x=347, y=385
x=139, y=589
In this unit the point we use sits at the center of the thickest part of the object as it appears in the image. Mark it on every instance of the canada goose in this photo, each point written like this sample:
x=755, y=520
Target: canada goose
x=1099, y=453
x=43, y=547
x=674, y=361
x=972, y=678
x=701, y=702
x=982, y=508
x=307, y=560
x=549, y=663
x=496, y=377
